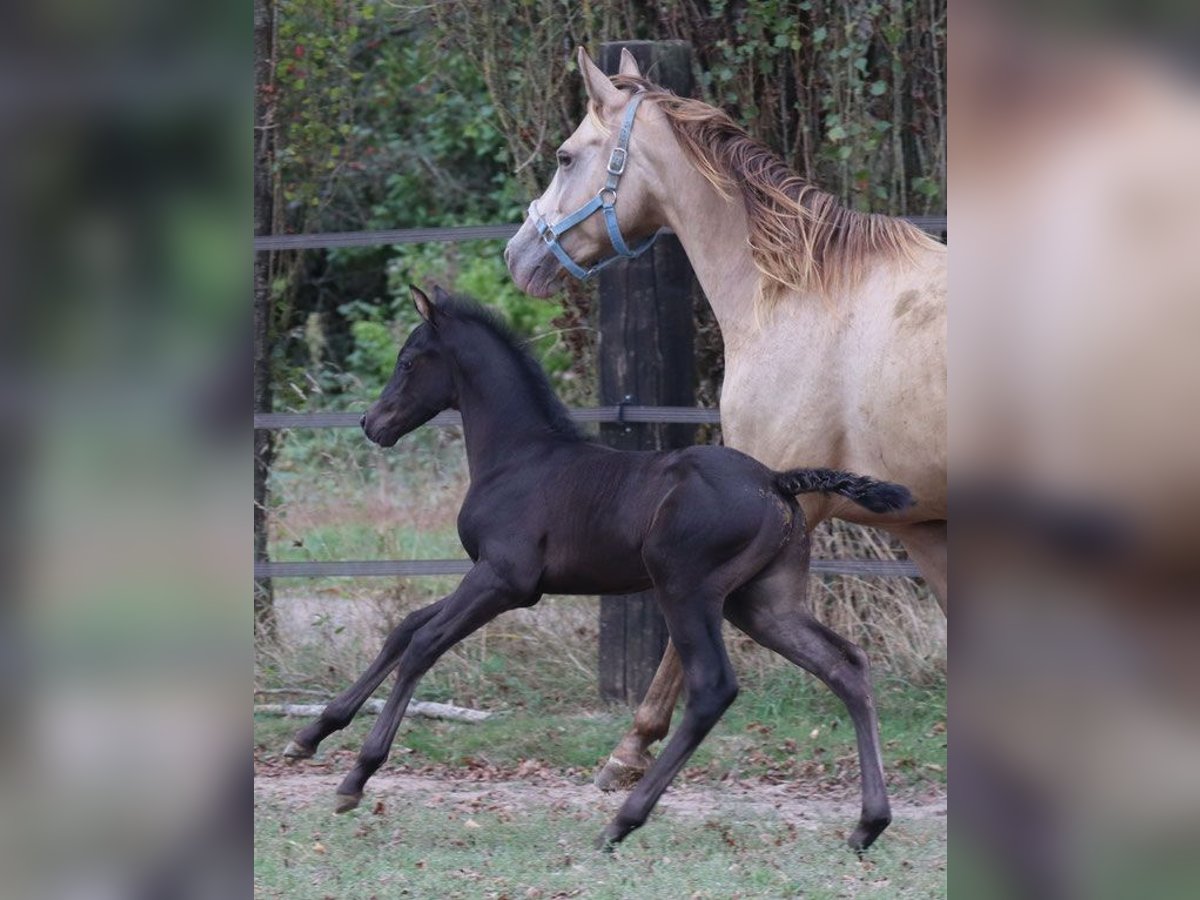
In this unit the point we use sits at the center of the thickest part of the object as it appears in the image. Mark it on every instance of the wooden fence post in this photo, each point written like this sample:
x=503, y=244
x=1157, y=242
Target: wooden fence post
x=646, y=358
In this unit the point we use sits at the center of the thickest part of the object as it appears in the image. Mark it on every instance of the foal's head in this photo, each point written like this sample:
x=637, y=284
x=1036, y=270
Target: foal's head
x=422, y=384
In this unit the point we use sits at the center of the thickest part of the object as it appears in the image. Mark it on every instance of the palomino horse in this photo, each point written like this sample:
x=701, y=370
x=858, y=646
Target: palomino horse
x=834, y=321
x=712, y=531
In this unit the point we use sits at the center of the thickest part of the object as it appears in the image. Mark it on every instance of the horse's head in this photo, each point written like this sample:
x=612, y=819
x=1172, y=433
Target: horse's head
x=422, y=384
x=600, y=202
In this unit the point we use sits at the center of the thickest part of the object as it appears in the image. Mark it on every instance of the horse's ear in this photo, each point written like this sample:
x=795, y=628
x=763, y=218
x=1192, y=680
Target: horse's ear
x=629, y=65
x=599, y=88
x=424, y=305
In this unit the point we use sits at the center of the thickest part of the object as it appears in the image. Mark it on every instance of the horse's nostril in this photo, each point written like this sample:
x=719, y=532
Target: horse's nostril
x=362, y=422
x=507, y=256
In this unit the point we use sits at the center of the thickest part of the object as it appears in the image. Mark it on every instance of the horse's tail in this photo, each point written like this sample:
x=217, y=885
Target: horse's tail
x=877, y=496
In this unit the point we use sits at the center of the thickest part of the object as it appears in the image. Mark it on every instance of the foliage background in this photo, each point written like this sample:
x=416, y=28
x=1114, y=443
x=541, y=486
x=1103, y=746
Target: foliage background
x=393, y=114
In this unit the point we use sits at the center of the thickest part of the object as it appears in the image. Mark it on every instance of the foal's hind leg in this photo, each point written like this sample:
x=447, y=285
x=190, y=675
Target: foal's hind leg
x=772, y=611
x=340, y=711
x=694, y=618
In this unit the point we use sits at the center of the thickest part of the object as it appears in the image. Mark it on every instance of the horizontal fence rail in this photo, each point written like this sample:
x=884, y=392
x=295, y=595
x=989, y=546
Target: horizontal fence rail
x=674, y=415
x=328, y=240
x=409, y=568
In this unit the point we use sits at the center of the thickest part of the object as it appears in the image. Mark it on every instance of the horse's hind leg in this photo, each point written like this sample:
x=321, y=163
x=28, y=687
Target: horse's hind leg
x=340, y=711
x=631, y=758
x=772, y=611
x=926, y=546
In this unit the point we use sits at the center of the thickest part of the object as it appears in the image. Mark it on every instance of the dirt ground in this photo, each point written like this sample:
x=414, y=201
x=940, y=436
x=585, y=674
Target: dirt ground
x=473, y=788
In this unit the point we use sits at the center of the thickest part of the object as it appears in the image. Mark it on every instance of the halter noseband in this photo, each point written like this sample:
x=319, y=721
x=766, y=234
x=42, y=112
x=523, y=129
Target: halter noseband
x=604, y=201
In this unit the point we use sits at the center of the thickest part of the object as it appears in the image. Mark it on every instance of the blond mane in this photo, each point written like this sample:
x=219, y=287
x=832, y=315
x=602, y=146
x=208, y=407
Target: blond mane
x=801, y=238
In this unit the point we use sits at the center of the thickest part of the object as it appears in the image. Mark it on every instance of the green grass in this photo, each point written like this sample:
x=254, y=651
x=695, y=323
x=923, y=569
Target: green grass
x=431, y=850
x=769, y=731
x=365, y=541
x=426, y=848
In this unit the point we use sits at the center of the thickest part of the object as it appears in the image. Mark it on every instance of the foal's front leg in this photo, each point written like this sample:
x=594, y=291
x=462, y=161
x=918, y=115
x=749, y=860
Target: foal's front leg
x=340, y=711
x=482, y=595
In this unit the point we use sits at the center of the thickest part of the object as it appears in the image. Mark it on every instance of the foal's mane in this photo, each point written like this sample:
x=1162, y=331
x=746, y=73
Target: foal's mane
x=801, y=237
x=465, y=309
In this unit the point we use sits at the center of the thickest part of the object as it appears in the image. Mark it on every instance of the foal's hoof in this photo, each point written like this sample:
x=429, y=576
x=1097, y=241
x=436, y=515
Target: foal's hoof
x=608, y=839
x=866, y=833
x=619, y=776
x=294, y=751
x=346, y=802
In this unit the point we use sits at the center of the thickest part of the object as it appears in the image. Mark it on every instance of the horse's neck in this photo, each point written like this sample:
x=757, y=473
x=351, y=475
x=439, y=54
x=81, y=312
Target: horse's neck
x=500, y=412
x=714, y=234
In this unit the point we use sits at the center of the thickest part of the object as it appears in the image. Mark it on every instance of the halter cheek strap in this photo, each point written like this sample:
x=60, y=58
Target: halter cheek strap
x=604, y=201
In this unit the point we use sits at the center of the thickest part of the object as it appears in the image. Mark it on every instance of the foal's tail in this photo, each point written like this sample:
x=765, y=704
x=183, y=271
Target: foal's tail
x=877, y=496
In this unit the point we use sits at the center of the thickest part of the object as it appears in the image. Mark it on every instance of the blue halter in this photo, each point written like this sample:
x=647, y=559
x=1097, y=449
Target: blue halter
x=604, y=201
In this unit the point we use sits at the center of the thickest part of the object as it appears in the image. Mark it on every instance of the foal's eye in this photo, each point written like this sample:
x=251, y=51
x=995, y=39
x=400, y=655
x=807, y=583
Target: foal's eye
x=564, y=159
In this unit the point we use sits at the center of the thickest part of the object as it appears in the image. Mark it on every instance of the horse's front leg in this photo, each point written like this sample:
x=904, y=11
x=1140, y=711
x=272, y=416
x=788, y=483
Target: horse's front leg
x=482, y=595
x=631, y=758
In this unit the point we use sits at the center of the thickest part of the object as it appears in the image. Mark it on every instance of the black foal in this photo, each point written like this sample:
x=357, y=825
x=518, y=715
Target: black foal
x=711, y=530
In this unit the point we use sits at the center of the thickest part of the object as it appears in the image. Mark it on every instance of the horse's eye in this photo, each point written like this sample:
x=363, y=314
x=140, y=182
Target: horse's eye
x=406, y=364
x=564, y=159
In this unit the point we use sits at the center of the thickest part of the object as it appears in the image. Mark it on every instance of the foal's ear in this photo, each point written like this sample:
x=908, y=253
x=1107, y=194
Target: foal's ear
x=629, y=65
x=424, y=305
x=600, y=89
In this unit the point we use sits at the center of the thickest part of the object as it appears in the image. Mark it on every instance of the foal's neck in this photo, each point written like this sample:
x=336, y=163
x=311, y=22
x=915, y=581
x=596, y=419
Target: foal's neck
x=501, y=411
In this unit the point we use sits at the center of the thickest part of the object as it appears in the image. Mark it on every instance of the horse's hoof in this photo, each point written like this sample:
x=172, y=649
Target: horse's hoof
x=618, y=776
x=346, y=802
x=294, y=751
x=866, y=833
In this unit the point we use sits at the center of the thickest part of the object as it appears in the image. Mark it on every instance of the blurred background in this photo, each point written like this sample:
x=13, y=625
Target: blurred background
x=1075, y=288
x=126, y=350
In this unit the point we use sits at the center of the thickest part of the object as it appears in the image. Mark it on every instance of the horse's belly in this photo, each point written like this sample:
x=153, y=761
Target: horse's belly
x=798, y=416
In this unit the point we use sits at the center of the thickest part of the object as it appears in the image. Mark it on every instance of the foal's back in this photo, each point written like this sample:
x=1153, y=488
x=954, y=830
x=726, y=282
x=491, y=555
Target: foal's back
x=592, y=512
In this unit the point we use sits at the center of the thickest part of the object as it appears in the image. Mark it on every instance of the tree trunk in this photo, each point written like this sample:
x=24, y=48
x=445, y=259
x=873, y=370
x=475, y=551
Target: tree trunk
x=264, y=209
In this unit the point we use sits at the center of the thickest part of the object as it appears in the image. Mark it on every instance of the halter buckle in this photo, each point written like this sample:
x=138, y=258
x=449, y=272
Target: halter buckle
x=616, y=161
